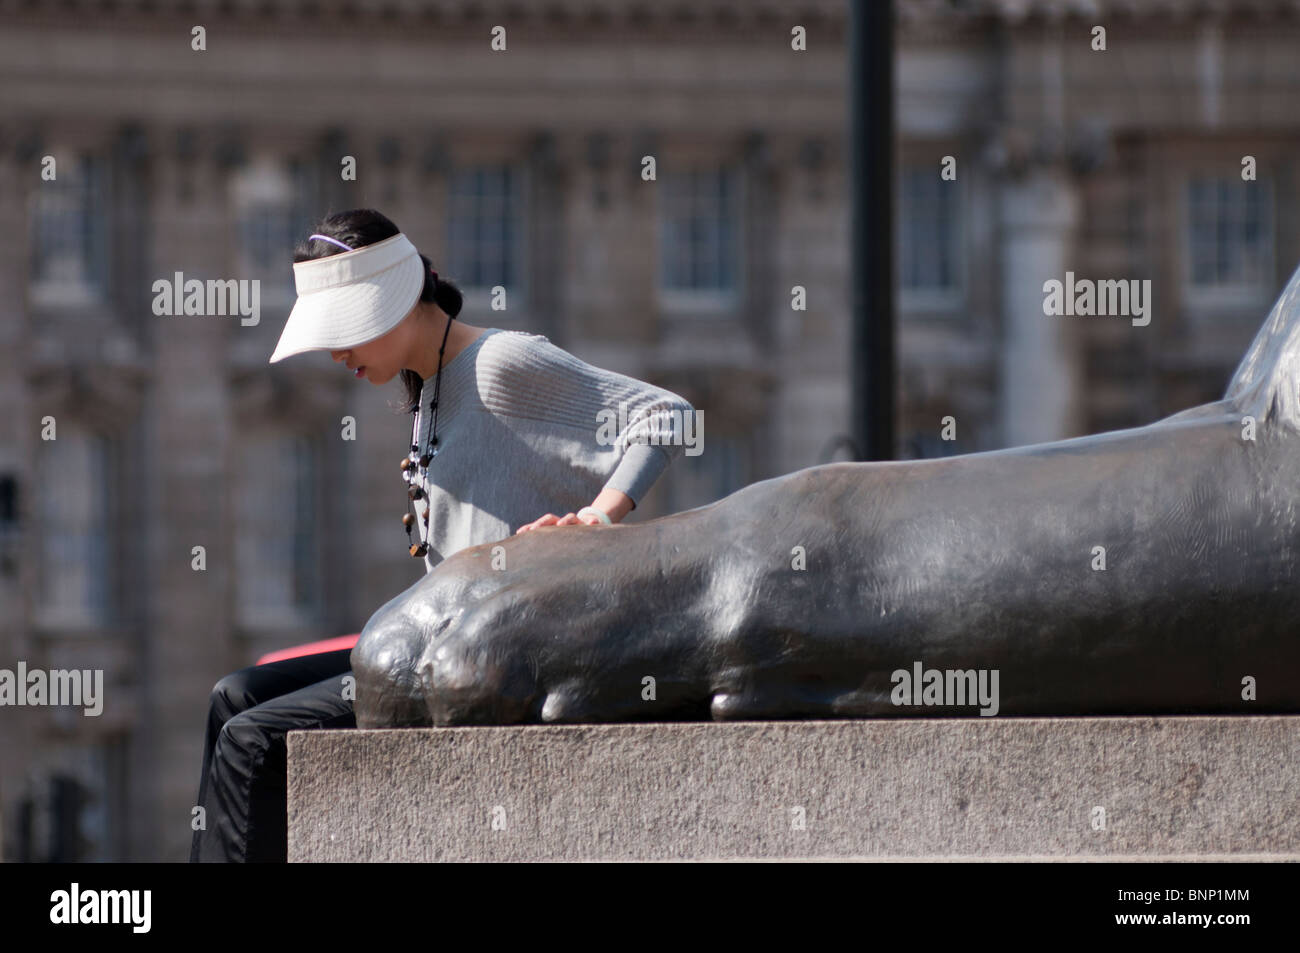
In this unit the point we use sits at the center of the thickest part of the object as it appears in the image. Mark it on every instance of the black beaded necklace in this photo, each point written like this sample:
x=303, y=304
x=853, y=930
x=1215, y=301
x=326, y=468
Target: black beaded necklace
x=410, y=462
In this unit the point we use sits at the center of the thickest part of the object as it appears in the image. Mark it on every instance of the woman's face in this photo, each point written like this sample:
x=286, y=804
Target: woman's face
x=380, y=360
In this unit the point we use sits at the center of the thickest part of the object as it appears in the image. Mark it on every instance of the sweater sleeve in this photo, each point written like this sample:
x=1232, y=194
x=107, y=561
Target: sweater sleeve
x=652, y=442
x=637, y=471
x=527, y=376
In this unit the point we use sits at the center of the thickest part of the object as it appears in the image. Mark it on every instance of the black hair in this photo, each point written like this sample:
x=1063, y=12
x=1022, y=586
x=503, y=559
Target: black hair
x=359, y=227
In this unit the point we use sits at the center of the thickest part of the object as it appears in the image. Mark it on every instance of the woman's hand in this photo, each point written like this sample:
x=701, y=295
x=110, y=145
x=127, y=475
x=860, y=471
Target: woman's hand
x=550, y=519
x=613, y=503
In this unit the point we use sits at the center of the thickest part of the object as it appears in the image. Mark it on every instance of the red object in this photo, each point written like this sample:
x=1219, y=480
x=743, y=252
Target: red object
x=311, y=648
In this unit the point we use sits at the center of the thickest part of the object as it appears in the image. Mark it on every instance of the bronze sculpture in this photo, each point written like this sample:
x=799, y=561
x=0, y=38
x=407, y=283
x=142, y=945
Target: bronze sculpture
x=1150, y=570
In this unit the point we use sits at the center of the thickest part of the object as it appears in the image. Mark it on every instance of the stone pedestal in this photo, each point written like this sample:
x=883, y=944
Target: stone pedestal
x=995, y=788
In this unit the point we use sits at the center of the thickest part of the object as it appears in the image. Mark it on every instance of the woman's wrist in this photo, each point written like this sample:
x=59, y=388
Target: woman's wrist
x=613, y=503
x=599, y=514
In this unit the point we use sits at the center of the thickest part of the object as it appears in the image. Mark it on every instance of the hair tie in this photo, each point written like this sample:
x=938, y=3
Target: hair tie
x=326, y=238
x=435, y=276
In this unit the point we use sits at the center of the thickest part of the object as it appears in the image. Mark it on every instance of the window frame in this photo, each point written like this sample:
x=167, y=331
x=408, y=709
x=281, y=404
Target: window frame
x=260, y=617
x=92, y=178
x=724, y=302
x=269, y=186
x=519, y=197
x=100, y=492
x=1220, y=295
x=933, y=300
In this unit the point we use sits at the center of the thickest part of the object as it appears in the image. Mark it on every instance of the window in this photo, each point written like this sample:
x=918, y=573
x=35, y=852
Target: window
x=929, y=235
x=101, y=819
x=272, y=219
x=9, y=540
x=74, y=811
x=277, y=539
x=74, y=508
x=70, y=231
x=699, y=249
x=1229, y=235
x=485, y=228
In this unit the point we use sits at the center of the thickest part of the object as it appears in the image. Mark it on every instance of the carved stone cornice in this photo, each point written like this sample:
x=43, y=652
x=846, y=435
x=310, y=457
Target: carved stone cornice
x=582, y=14
x=307, y=397
x=1047, y=11
x=106, y=399
x=1013, y=151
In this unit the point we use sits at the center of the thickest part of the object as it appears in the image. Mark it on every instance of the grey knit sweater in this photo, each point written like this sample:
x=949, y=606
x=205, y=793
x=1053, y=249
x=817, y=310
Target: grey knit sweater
x=519, y=436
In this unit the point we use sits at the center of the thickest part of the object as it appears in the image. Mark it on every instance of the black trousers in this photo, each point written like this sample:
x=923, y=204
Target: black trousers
x=243, y=785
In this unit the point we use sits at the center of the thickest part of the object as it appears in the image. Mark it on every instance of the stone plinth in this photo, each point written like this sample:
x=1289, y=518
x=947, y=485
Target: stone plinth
x=1192, y=787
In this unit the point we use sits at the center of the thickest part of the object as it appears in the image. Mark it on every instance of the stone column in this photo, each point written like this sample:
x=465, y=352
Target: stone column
x=1038, y=378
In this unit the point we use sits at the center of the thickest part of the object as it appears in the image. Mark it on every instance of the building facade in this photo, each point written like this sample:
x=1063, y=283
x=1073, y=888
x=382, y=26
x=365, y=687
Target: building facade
x=197, y=507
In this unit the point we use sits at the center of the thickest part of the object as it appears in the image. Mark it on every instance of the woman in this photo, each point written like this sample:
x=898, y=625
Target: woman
x=506, y=427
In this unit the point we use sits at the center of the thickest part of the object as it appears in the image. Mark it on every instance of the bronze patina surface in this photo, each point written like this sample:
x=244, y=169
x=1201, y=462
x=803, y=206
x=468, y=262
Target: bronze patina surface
x=1150, y=570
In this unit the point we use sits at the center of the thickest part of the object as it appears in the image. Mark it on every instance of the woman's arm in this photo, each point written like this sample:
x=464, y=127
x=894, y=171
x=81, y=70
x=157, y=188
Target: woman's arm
x=654, y=422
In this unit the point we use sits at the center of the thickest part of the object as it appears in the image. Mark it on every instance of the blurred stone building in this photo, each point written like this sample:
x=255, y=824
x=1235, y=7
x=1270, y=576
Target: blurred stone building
x=521, y=168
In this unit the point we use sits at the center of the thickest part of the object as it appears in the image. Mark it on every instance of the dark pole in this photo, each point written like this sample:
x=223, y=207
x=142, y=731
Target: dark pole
x=871, y=265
